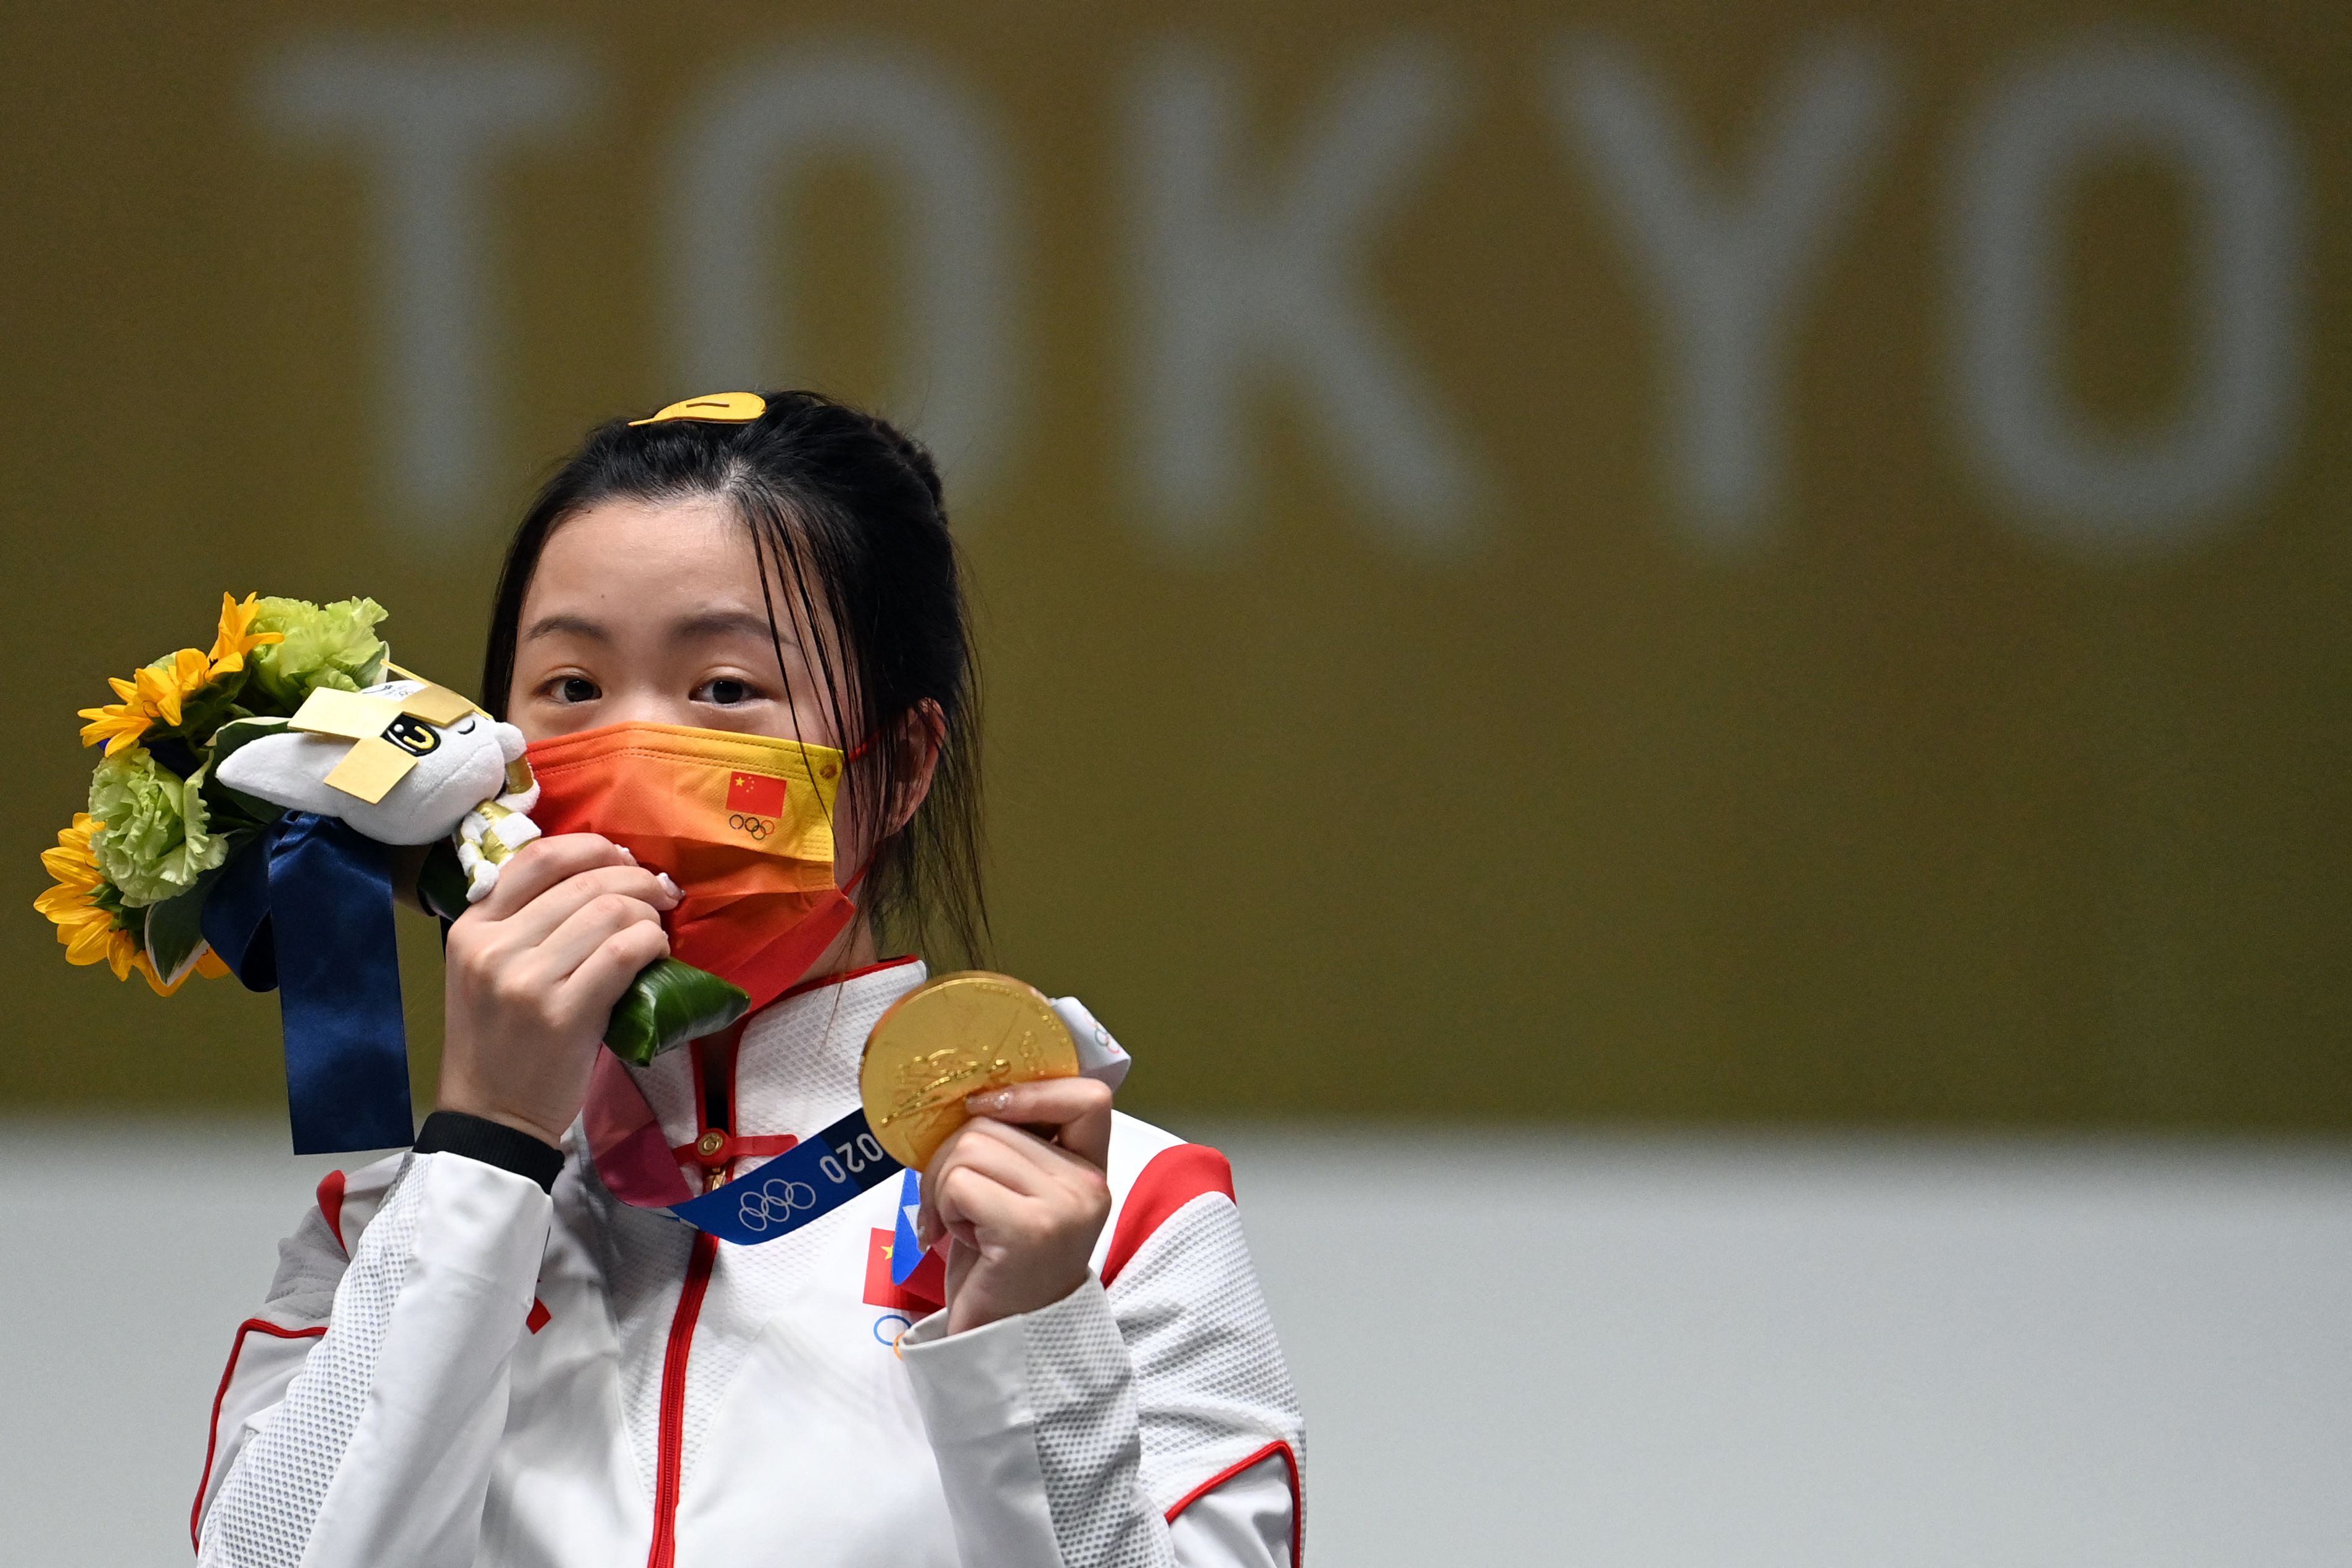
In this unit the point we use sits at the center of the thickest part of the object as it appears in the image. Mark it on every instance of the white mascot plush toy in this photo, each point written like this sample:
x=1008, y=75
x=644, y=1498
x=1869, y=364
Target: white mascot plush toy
x=408, y=762
x=402, y=763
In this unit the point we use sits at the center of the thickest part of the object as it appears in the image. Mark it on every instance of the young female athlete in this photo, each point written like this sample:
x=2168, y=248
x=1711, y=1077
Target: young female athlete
x=497, y=1348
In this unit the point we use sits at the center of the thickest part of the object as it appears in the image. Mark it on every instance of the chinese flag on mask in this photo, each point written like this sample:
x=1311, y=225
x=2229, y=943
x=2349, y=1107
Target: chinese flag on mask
x=757, y=794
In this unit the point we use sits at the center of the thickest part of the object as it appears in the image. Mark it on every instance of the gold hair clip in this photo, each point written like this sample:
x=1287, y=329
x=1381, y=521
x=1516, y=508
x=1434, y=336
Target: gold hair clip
x=725, y=408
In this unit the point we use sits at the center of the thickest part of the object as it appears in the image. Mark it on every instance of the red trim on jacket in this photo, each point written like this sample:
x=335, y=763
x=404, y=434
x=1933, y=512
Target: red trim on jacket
x=669, y=1464
x=229, y=1373
x=669, y=1443
x=1172, y=1178
x=1290, y=1463
x=331, y=1207
x=737, y=1146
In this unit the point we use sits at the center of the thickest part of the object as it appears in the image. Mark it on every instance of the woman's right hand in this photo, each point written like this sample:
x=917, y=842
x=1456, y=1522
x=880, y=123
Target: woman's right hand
x=534, y=972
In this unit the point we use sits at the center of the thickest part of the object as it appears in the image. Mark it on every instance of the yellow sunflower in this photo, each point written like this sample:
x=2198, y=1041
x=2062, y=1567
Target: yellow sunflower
x=85, y=927
x=163, y=686
x=154, y=691
x=235, y=638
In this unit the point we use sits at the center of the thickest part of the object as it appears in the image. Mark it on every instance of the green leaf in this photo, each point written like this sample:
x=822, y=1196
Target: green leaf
x=669, y=1004
x=252, y=810
x=175, y=928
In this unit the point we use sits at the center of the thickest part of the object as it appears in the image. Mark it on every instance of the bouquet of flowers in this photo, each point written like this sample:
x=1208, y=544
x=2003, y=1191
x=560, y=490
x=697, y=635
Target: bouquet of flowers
x=131, y=871
x=240, y=822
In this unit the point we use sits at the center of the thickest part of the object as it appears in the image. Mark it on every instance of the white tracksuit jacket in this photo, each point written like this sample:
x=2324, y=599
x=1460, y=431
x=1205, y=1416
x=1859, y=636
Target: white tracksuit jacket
x=454, y=1368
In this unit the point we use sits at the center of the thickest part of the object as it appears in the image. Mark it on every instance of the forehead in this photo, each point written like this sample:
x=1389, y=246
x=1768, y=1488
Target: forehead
x=672, y=574
x=625, y=556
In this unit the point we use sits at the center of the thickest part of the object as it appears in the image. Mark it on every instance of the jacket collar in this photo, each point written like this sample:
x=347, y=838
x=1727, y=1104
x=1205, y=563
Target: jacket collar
x=795, y=1071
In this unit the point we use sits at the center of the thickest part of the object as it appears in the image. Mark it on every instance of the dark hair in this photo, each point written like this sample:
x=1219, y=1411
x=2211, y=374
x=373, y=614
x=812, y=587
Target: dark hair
x=848, y=514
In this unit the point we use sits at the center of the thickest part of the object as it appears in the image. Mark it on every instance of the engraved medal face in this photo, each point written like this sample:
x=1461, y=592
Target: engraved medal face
x=949, y=1038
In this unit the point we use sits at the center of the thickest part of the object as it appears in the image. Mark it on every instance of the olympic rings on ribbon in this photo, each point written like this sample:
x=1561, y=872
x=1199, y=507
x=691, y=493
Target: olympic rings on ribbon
x=757, y=826
x=774, y=1203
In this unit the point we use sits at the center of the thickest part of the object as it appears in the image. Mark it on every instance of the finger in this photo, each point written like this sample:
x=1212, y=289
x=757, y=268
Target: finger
x=1011, y=1158
x=1001, y=1184
x=972, y=1205
x=931, y=1220
x=928, y=1227
x=537, y=919
x=1077, y=1109
x=544, y=862
x=604, y=974
x=587, y=928
x=1051, y=1161
x=961, y=1261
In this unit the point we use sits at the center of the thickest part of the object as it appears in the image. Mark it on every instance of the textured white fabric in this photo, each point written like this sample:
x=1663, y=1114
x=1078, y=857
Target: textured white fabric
x=1123, y=1402
x=379, y=1449
x=1056, y=1437
x=1082, y=1394
x=972, y=1389
x=643, y=1258
x=264, y=1514
x=1204, y=1350
x=795, y=1071
x=310, y=1263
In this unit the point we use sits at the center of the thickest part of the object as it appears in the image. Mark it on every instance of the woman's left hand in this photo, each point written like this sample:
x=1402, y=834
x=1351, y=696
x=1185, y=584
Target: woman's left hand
x=1023, y=1208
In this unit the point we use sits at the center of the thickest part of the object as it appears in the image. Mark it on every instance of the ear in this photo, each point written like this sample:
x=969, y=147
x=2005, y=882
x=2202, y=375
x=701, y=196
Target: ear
x=286, y=769
x=922, y=732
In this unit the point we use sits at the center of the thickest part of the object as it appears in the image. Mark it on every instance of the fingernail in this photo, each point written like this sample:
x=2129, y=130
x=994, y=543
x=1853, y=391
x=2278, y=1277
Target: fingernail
x=626, y=853
x=989, y=1099
x=923, y=1232
x=666, y=885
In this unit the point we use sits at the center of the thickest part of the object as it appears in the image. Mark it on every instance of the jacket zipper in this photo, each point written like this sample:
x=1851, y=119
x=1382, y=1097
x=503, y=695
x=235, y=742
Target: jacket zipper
x=671, y=1445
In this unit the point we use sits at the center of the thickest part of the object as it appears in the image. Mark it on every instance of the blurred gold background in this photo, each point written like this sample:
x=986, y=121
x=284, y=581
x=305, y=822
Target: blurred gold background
x=1936, y=737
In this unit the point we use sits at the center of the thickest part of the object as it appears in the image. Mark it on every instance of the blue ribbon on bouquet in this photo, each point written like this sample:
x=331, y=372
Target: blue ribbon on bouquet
x=807, y=1182
x=306, y=910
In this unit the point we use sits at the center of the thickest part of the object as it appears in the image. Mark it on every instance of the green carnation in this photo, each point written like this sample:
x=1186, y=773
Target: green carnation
x=326, y=645
x=156, y=841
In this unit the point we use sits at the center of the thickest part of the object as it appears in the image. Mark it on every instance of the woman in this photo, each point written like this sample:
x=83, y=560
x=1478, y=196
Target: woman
x=485, y=1350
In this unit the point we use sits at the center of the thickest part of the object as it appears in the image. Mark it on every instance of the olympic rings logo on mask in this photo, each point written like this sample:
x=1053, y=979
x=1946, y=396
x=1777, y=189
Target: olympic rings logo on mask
x=757, y=826
x=775, y=1203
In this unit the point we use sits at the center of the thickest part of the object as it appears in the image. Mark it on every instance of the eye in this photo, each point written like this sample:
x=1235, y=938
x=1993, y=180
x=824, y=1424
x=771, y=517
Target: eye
x=574, y=689
x=722, y=692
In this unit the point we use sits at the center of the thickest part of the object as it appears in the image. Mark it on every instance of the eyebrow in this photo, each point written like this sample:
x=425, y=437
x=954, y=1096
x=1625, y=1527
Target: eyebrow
x=703, y=624
x=728, y=623
x=567, y=626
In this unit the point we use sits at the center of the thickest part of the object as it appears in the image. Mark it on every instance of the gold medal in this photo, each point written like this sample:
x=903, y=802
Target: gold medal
x=949, y=1038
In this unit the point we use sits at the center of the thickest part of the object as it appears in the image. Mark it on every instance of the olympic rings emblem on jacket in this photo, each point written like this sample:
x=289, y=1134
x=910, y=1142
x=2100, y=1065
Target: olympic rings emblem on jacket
x=775, y=1203
x=757, y=826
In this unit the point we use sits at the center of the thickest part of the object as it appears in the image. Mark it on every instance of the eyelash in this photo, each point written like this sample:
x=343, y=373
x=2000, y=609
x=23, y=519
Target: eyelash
x=743, y=686
x=558, y=691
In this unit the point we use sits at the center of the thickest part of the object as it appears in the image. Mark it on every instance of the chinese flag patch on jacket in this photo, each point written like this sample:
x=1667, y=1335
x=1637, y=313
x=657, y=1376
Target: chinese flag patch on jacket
x=925, y=1291
x=755, y=793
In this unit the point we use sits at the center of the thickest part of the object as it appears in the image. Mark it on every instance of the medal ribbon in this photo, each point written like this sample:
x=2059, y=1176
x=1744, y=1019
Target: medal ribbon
x=807, y=1182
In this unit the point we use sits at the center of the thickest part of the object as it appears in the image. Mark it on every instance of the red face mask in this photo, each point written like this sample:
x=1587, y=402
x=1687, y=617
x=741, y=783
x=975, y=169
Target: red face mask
x=743, y=824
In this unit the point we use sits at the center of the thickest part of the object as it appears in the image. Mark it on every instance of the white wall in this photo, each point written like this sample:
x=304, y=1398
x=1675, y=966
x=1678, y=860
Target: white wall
x=1527, y=1350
